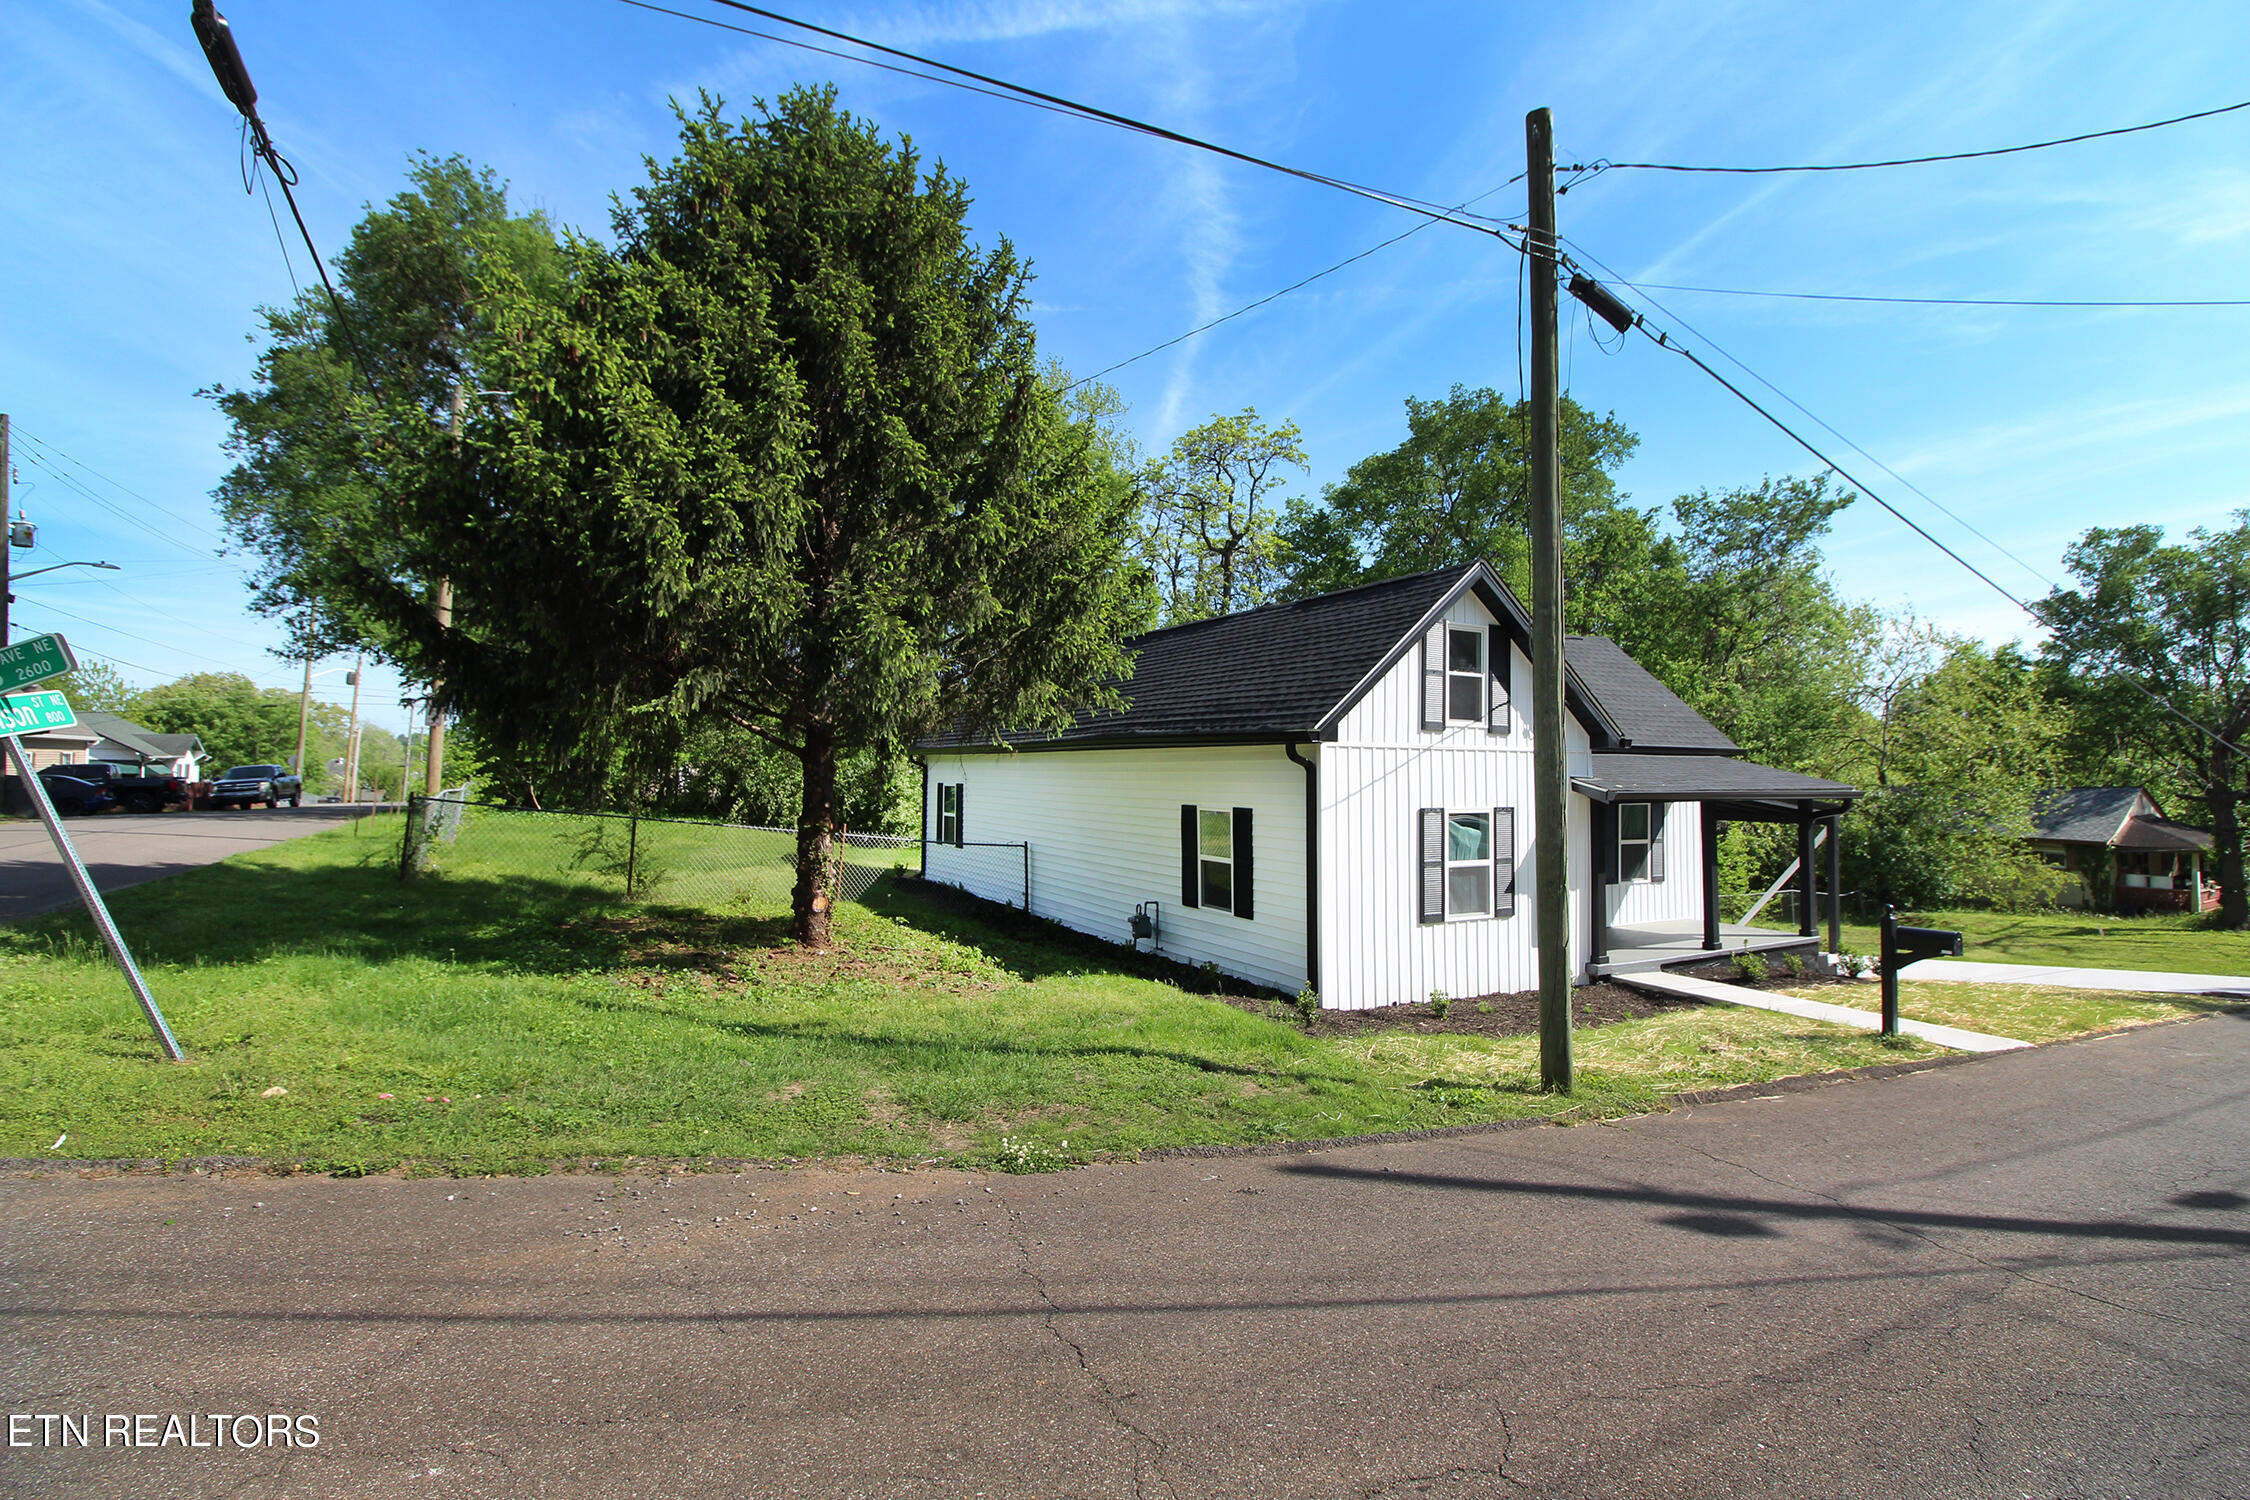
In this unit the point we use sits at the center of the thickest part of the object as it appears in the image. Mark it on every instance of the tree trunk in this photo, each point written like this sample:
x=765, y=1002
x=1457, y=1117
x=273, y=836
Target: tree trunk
x=2226, y=825
x=813, y=901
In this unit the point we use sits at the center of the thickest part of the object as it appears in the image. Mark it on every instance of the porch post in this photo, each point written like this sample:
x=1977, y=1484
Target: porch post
x=1603, y=864
x=1835, y=885
x=1805, y=882
x=1710, y=878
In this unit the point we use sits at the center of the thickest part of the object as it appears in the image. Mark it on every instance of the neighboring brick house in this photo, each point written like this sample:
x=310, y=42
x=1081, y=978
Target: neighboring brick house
x=2115, y=839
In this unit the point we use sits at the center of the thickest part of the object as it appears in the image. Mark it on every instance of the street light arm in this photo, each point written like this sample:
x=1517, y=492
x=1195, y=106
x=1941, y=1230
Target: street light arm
x=35, y=572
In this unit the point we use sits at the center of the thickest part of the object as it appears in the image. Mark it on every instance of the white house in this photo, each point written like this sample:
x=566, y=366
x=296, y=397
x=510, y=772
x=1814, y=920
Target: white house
x=1337, y=793
x=126, y=744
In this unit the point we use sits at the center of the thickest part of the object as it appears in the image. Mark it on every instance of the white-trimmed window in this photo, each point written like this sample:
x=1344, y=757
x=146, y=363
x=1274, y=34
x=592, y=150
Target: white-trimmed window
x=1215, y=858
x=1464, y=674
x=949, y=812
x=1640, y=841
x=1468, y=863
x=1214, y=851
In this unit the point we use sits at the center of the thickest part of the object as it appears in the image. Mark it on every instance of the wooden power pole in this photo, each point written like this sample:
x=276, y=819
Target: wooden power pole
x=1550, y=767
x=433, y=774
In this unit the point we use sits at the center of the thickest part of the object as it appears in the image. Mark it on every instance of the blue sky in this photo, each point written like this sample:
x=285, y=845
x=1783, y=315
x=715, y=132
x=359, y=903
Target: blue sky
x=134, y=260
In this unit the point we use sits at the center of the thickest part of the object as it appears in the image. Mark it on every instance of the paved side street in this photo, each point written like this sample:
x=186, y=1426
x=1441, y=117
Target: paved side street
x=2022, y=1275
x=126, y=849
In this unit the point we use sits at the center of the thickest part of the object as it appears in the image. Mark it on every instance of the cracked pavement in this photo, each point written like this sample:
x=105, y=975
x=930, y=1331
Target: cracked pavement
x=2019, y=1276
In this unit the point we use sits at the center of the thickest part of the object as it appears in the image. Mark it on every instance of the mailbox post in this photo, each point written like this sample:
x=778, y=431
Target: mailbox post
x=1904, y=945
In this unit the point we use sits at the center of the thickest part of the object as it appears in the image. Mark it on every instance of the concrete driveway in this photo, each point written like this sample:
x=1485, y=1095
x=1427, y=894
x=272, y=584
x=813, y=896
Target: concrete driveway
x=123, y=849
x=2019, y=1275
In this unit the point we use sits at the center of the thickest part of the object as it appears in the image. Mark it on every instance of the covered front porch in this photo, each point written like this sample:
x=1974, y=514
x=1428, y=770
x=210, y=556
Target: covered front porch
x=1666, y=945
x=1726, y=789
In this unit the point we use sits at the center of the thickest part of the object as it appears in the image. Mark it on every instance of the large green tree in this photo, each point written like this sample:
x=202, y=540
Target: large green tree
x=241, y=723
x=349, y=410
x=1455, y=490
x=781, y=458
x=1209, y=513
x=2154, y=646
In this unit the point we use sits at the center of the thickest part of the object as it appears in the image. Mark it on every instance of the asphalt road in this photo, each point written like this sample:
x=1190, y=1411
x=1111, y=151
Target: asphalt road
x=122, y=849
x=2019, y=1276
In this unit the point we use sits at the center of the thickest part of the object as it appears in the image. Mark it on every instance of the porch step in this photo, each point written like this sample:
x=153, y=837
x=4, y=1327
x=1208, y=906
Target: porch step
x=1660, y=983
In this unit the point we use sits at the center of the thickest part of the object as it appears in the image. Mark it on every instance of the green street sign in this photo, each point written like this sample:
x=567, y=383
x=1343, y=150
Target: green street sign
x=29, y=713
x=35, y=660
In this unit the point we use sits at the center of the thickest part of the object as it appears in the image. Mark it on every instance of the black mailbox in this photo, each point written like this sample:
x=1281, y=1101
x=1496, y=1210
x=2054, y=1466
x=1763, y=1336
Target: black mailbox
x=1904, y=945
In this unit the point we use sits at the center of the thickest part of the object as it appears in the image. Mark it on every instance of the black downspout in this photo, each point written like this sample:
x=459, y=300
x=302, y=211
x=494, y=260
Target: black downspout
x=923, y=820
x=1312, y=865
x=1604, y=821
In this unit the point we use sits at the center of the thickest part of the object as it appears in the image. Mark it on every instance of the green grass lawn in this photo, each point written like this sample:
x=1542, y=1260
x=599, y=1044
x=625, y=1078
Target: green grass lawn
x=2179, y=943
x=499, y=1017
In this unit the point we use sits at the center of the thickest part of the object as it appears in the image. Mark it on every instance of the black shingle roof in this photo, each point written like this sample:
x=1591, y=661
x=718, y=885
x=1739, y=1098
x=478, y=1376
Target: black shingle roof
x=1288, y=669
x=1695, y=777
x=1270, y=671
x=1650, y=714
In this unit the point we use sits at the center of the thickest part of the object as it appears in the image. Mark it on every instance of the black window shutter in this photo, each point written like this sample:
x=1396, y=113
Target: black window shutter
x=1242, y=863
x=1433, y=864
x=1503, y=861
x=1191, y=868
x=1499, y=665
x=960, y=812
x=1656, y=839
x=1433, y=677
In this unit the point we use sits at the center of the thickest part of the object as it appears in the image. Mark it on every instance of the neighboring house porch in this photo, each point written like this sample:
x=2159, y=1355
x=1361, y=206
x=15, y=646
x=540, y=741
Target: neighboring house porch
x=2124, y=853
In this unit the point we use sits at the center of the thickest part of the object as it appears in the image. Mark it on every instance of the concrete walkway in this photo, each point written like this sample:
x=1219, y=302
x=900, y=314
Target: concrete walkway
x=1660, y=983
x=2150, y=982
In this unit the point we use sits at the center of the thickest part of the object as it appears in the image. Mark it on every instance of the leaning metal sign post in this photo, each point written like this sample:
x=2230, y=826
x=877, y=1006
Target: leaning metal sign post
x=34, y=661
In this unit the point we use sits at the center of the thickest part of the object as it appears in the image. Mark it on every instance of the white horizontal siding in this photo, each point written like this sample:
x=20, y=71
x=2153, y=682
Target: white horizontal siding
x=1104, y=831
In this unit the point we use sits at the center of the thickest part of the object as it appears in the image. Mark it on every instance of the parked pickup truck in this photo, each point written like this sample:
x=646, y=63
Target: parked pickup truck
x=243, y=785
x=70, y=788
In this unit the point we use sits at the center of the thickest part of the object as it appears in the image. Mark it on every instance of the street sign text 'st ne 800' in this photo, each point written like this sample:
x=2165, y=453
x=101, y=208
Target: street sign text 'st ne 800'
x=34, y=660
x=29, y=713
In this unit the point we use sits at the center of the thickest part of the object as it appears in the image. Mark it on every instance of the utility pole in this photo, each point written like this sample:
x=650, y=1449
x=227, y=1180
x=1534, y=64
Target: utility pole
x=351, y=740
x=304, y=709
x=1550, y=769
x=433, y=776
x=7, y=533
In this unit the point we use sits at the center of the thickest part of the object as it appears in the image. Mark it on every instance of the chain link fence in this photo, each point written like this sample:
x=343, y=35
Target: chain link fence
x=996, y=872
x=674, y=860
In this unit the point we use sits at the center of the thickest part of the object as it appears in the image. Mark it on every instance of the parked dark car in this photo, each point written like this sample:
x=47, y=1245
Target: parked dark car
x=137, y=792
x=243, y=785
x=75, y=793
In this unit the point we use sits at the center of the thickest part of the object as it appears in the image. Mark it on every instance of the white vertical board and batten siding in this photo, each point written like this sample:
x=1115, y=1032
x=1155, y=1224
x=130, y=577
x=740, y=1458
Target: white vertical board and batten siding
x=1104, y=830
x=1378, y=772
x=1678, y=897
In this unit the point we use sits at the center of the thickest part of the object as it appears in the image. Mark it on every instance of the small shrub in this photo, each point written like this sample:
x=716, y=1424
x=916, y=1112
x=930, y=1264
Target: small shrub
x=1307, y=1003
x=1795, y=964
x=1211, y=980
x=1440, y=1004
x=1857, y=965
x=1753, y=967
x=1484, y=1008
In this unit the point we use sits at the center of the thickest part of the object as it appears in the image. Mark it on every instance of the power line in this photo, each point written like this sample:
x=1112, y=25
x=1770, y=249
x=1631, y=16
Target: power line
x=1729, y=291
x=116, y=510
x=1285, y=291
x=1912, y=161
x=1056, y=103
x=115, y=484
x=1948, y=512
x=1661, y=340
